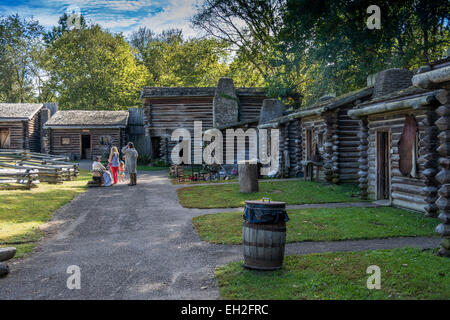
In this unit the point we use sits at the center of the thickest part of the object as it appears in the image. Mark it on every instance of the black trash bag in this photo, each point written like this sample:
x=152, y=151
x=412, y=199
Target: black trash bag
x=262, y=213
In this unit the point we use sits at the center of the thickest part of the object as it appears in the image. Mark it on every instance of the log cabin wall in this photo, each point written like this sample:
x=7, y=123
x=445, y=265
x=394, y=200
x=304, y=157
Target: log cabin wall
x=406, y=191
x=348, y=130
x=163, y=115
x=73, y=148
x=250, y=107
x=15, y=132
x=56, y=146
x=33, y=131
x=294, y=146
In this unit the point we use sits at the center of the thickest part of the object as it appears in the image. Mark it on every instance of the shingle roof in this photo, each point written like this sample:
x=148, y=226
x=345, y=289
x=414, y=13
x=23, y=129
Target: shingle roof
x=154, y=92
x=157, y=92
x=410, y=91
x=18, y=111
x=342, y=99
x=88, y=119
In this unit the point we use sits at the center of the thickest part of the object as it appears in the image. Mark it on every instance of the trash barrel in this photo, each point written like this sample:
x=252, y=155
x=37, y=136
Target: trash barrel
x=264, y=234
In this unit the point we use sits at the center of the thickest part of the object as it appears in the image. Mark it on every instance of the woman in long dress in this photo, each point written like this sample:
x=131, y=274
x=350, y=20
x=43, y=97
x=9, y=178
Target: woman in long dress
x=131, y=156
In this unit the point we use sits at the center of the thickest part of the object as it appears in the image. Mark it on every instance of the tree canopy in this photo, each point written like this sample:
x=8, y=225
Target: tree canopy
x=292, y=47
x=173, y=61
x=20, y=48
x=90, y=68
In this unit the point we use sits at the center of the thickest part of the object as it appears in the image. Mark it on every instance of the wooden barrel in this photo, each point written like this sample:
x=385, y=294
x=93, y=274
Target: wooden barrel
x=264, y=245
x=264, y=242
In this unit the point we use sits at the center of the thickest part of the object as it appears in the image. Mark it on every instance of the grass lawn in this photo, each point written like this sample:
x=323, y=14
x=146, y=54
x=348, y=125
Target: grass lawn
x=291, y=192
x=150, y=168
x=22, y=212
x=323, y=225
x=405, y=274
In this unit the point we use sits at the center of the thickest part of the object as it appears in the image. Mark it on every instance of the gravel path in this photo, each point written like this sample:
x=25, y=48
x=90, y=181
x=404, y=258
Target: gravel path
x=138, y=243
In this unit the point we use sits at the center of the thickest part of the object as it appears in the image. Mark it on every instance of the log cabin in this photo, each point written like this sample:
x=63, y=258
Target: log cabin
x=431, y=77
x=21, y=125
x=85, y=134
x=398, y=156
x=170, y=108
x=321, y=140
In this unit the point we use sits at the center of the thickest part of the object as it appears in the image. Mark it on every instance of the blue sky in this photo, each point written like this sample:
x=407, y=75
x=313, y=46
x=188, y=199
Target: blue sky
x=116, y=15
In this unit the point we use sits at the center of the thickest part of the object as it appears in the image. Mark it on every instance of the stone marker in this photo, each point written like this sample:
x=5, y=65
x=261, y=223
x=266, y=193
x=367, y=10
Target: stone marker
x=248, y=176
x=4, y=270
x=7, y=253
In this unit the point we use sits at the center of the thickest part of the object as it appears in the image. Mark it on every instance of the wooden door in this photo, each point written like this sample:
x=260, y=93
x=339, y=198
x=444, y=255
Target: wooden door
x=383, y=165
x=309, y=144
x=5, y=138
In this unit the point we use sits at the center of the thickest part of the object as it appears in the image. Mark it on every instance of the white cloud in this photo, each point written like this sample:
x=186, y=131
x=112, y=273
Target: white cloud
x=176, y=14
x=116, y=15
x=46, y=17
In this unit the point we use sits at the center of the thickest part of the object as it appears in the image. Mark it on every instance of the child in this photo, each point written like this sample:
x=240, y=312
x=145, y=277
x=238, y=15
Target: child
x=122, y=171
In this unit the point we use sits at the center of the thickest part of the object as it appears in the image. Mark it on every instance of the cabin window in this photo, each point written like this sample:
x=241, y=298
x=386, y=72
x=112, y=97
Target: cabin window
x=105, y=140
x=65, y=141
x=5, y=138
x=408, y=148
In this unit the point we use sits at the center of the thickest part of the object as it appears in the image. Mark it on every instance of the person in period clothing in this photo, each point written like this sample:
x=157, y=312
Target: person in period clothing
x=131, y=156
x=114, y=163
x=99, y=168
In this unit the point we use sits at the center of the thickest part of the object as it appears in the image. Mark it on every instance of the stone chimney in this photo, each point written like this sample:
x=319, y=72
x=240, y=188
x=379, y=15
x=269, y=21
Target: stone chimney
x=271, y=109
x=52, y=106
x=226, y=103
x=391, y=80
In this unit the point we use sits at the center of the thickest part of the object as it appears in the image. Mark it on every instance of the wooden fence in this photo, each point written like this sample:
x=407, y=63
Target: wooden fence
x=48, y=168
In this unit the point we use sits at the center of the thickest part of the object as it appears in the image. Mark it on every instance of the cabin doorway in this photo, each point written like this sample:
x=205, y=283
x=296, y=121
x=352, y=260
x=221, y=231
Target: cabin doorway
x=383, y=166
x=5, y=138
x=86, y=146
x=156, y=145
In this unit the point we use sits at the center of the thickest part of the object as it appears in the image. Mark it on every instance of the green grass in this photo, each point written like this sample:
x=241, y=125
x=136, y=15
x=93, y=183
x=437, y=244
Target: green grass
x=22, y=212
x=323, y=225
x=150, y=168
x=405, y=274
x=291, y=192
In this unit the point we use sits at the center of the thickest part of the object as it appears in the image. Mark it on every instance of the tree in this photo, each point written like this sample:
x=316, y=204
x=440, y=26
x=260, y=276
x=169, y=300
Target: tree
x=90, y=68
x=173, y=61
x=251, y=27
x=20, y=48
x=62, y=27
x=332, y=39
